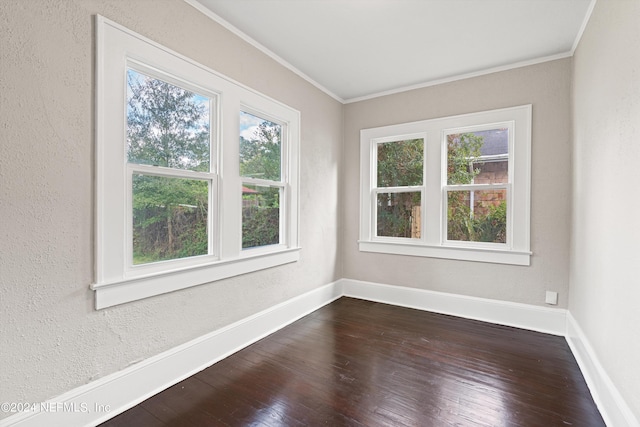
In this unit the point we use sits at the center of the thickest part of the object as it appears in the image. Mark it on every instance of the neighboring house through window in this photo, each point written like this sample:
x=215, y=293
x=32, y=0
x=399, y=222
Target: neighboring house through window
x=456, y=187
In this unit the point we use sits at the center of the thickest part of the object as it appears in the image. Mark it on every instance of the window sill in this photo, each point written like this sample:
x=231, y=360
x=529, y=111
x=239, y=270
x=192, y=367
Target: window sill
x=114, y=293
x=497, y=256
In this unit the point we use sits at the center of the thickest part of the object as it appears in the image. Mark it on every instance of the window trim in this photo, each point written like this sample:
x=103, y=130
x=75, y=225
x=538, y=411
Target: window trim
x=433, y=242
x=116, y=280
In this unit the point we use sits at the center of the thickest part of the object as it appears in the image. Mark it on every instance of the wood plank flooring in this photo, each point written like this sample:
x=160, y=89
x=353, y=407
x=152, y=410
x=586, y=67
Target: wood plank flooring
x=360, y=363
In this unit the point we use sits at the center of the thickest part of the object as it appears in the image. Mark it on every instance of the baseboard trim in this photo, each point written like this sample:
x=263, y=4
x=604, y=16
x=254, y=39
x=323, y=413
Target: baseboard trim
x=611, y=404
x=125, y=389
x=85, y=405
x=541, y=319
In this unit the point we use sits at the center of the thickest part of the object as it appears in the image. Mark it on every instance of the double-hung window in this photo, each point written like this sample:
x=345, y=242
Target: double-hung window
x=197, y=175
x=262, y=185
x=399, y=187
x=456, y=187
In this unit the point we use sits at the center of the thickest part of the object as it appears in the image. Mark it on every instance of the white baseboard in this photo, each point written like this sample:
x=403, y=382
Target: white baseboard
x=86, y=405
x=541, y=319
x=612, y=406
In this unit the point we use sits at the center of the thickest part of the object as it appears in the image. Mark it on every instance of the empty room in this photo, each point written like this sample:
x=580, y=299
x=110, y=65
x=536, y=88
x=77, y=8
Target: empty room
x=319, y=212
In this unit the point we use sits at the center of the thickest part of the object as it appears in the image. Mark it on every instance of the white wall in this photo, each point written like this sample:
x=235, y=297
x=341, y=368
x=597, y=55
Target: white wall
x=605, y=247
x=51, y=338
x=547, y=86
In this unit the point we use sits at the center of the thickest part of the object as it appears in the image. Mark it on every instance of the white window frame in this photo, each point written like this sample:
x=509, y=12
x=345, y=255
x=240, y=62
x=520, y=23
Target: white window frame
x=400, y=189
x=117, y=279
x=259, y=182
x=433, y=241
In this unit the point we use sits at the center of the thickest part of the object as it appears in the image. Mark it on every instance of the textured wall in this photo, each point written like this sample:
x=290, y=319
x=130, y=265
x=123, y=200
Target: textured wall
x=546, y=86
x=51, y=339
x=606, y=237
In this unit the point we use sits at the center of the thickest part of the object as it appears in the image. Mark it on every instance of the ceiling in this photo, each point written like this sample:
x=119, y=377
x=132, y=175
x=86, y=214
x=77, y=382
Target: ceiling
x=358, y=49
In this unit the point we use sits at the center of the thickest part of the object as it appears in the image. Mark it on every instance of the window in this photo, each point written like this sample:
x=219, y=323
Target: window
x=197, y=176
x=456, y=187
x=262, y=187
x=477, y=185
x=398, y=192
x=169, y=169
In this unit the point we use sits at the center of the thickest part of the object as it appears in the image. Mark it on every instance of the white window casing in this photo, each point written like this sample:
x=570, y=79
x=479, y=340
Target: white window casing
x=117, y=279
x=433, y=240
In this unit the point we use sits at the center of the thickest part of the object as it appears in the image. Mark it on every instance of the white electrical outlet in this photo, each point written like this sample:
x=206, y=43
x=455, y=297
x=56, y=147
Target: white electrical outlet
x=551, y=298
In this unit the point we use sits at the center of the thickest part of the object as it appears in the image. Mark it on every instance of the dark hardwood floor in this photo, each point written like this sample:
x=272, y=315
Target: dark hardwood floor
x=360, y=363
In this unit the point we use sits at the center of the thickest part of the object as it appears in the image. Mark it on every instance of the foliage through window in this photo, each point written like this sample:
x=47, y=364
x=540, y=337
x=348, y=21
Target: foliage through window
x=178, y=198
x=261, y=172
x=399, y=170
x=477, y=213
x=260, y=216
x=167, y=127
x=169, y=218
x=453, y=187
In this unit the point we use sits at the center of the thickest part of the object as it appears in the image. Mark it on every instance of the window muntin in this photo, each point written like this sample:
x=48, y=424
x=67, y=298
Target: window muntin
x=473, y=205
x=135, y=185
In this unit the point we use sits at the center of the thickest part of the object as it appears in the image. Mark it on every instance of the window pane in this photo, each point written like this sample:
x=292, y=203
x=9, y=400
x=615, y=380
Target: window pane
x=477, y=216
x=260, y=216
x=400, y=163
x=166, y=124
x=399, y=214
x=169, y=218
x=260, y=147
x=480, y=157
